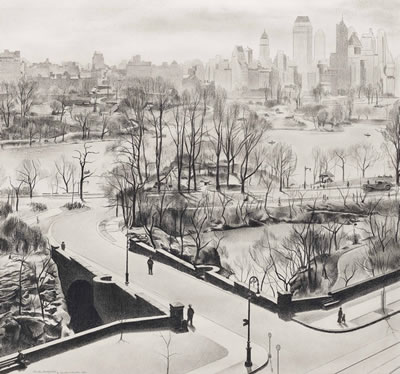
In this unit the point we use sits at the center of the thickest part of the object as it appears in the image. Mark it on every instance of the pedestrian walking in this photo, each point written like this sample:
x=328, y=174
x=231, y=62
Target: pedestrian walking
x=340, y=315
x=190, y=314
x=150, y=263
x=63, y=246
x=348, y=184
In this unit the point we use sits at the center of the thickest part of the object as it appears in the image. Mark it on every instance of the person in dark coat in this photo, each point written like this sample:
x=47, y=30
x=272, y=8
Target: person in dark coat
x=150, y=263
x=63, y=246
x=190, y=314
x=340, y=315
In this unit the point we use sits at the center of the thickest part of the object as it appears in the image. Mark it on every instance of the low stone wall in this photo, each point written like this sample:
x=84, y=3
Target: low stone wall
x=75, y=341
x=366, y=286
x=308, y=303
x=285, y=303
x=162, y=256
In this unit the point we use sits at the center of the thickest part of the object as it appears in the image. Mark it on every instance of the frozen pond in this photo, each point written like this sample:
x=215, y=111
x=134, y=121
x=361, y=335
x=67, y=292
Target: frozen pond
x=302, y=141
x=47, y=155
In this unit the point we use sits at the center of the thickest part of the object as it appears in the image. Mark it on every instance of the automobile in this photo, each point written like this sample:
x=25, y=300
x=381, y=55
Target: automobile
x=379, y=185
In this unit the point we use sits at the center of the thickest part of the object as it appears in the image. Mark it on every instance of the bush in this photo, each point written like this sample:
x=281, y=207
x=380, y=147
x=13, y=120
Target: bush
x=5, y=209
x=74, y=205
x=38, y=207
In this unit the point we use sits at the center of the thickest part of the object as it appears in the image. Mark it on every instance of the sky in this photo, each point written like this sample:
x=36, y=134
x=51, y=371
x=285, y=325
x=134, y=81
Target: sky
x=181, y=30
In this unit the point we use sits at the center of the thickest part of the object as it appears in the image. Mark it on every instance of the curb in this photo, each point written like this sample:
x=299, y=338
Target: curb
x=334, y=331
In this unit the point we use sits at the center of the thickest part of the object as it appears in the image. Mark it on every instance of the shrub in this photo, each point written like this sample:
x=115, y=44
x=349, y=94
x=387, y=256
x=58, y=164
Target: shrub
x=5, y=209
x=74, y=205
x=38, y=207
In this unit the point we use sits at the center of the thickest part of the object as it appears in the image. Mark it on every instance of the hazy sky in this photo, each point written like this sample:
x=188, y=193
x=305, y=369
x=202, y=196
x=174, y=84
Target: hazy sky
x=163, y=30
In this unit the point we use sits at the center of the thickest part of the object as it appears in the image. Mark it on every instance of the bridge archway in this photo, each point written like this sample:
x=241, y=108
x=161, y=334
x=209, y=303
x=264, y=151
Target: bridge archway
x=81, y=306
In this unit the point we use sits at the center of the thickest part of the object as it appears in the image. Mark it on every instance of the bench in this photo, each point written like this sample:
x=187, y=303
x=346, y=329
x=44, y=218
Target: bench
x=11, y=364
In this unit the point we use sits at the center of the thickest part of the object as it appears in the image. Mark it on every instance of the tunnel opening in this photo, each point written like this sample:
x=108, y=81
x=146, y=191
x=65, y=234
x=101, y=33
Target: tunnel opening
x=81, y=308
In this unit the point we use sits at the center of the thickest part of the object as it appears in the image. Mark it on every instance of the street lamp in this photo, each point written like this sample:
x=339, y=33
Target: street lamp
x=278, y=348
x=305, y=176
x=127, y=259
x=269, y=351
x=246, y=322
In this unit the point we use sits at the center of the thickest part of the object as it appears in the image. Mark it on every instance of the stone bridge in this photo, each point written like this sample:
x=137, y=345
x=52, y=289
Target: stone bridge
x=93, y=298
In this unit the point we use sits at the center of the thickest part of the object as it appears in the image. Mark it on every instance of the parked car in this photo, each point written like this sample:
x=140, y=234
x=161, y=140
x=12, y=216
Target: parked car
x=379, y=185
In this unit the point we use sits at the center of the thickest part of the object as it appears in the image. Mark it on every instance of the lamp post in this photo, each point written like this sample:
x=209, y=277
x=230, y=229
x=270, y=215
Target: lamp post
x=246, y=322
x=278, y=348
x=127, y=259
x=305, y=176
x=269, y=351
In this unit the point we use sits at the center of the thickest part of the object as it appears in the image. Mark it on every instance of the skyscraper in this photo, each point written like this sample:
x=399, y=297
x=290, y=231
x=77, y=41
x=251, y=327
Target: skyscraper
x=319, y=46
x=339, y=60
x=98, y=61
x=397, y=76
x=264, y=58
x=302, y=47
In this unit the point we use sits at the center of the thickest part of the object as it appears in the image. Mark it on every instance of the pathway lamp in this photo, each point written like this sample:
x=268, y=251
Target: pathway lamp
x=246, y=322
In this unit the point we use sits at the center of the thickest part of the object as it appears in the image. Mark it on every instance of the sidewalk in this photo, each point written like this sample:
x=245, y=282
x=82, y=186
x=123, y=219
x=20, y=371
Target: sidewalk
x=360, y=313
x=235, y=344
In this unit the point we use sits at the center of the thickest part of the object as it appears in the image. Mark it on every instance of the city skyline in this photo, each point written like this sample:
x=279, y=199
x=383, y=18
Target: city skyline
x=146, y=28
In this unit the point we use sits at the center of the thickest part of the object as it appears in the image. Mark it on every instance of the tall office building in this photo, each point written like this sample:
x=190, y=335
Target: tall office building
x=340, y=59
x=397, y=76
x=98, y=61
x=264, y=58
x=240, y=70
x=319, y=46
x=302, y=47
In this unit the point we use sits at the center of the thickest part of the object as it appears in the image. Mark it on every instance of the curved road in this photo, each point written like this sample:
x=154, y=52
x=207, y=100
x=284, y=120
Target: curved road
x=303, y=350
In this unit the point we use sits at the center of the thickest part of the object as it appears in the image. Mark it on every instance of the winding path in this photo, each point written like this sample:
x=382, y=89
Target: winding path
x=303, y=350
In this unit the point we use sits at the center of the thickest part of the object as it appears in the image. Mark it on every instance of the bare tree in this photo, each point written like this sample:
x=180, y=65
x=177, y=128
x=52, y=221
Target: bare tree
x=23, y=261
x=29, y=174
x=162, y=98
x=242, y=267
x=260, y=253
x=105, y=125
x=349, y=273
x=7, y=102
x=31, y=131
x=66, y=171
x=217, y=139
x=195, y=135
x=199, y=223
x=41, y=273
x=341, y=155
x=231, y=145
x=83, y=160
x=283, y=162
x=178, y=134
x=364, y=156
x=391, y=135
x=83, y=120
x=16, y=189
x=168, y=355
x=25, y=95
x=253, y=129
x=322, y=162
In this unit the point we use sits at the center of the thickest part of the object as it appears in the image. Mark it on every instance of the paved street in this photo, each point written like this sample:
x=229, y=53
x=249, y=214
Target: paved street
x=299, y=344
